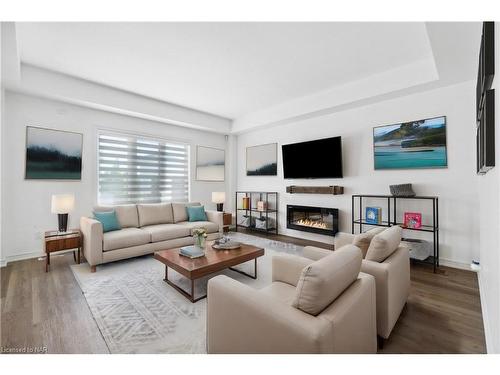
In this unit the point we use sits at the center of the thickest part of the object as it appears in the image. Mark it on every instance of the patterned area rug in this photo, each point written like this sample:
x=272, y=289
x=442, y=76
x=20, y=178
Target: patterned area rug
x=137, y=312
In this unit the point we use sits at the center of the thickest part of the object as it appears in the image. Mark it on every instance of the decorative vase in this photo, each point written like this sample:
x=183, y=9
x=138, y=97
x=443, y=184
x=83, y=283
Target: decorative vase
x=199, y=241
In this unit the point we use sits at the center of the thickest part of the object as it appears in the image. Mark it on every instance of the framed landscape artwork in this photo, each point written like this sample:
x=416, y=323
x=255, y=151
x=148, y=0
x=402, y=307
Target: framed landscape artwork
x=409, y=145
x=210, y=163
x=53, y=154
x=262, y=160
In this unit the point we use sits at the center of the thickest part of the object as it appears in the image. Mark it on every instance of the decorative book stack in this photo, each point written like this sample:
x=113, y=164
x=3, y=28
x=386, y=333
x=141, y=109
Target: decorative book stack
x=192, y=252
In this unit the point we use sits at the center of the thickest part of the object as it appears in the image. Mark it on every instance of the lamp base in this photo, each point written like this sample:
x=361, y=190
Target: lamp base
x=220, y=207
x=63, y=222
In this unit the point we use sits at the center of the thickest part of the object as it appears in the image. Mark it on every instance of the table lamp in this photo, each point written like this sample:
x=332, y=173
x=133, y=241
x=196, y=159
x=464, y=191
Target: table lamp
x=61, y=205
x=219, y=197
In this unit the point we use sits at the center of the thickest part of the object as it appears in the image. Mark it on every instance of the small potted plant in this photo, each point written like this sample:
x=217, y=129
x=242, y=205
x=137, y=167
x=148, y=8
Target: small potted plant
x=200, y=236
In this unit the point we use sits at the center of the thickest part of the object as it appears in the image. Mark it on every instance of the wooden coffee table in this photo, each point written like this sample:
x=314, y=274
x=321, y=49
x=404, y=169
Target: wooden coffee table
x=213, y=261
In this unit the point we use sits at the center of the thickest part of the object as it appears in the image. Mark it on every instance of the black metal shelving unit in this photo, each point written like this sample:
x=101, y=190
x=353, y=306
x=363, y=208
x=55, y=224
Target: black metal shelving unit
x=392, y=220
x=271, y=211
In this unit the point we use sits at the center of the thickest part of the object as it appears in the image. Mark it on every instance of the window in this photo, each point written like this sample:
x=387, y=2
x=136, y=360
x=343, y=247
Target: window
x=134, y=169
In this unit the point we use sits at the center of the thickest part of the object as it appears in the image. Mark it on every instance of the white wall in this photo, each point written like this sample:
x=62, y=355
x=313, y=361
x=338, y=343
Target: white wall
x=456, y=185
x=26, y=203
x=489, y=191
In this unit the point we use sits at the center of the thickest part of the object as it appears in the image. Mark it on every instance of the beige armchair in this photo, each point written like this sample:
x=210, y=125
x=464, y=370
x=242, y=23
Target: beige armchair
x=388, y=263
x=311, y=307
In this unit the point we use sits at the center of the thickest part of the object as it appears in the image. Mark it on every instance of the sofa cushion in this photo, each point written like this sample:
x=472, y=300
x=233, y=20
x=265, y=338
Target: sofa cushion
x=180, y=212
x=208, y=225
x=384, y=244
x=125, y=213
x=126, y=237
x=279, y=291
x=323, y=281
x=363, y=240
x=163, y=232
x=108, y=220
x=196, y=213
x=155, y=213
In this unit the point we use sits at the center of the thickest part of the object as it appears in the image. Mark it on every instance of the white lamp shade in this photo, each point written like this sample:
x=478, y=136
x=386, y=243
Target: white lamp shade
x=218, y=197
x=62, y=203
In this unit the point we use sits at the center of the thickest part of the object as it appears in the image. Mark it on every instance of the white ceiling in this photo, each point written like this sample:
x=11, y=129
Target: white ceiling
x=228, y=69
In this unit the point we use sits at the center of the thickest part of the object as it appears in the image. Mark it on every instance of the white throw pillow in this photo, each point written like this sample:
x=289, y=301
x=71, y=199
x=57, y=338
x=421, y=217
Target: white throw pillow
x=323, y=281
x=384, y=244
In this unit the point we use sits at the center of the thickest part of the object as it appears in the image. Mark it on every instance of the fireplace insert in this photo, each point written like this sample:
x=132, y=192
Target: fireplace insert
x=320, y=220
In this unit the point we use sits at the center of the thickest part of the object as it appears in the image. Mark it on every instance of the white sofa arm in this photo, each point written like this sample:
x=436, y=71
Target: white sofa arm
x=92, y=240
x=216, y=217
x=315, y=253
x=342, y=239
x=241, y=319
x=288, y=268
x=392, y=278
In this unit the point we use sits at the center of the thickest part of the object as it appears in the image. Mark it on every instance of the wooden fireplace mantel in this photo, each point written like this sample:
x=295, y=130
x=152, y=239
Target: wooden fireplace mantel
x=334, y=189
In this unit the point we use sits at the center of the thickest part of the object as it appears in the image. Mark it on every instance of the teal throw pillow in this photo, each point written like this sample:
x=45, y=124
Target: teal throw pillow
x=196, y=213
x=108, y=220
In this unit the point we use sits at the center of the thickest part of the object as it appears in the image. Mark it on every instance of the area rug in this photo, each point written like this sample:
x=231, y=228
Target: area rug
x=137, y=312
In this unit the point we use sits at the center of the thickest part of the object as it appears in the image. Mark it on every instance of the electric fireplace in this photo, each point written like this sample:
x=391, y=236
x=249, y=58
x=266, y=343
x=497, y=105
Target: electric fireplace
x=320, y=220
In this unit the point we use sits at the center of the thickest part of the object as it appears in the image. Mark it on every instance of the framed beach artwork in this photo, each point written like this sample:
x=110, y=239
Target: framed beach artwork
x=210, y=164
x=53, y=154
x=410, y=145
x=262, y=160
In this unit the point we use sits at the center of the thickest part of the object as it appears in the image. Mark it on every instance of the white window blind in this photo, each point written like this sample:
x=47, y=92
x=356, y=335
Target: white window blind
x=134, y=169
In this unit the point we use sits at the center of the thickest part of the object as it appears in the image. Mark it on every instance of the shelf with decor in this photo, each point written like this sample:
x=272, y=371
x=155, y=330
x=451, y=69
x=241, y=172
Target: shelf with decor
x=257, y=210
x=392, y=202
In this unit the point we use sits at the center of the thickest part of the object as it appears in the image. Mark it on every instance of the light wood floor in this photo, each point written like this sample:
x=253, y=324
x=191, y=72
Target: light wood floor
x=38, y=309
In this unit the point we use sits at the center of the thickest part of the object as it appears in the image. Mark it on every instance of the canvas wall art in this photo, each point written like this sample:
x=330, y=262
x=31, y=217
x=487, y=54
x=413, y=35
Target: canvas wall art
x=262, y=160
x=53, y=154
x=415, y=144
x=209, y=164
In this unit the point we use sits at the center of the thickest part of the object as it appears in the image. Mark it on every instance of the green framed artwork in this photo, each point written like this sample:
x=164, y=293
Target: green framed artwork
x=53, y=154
x=411, y=145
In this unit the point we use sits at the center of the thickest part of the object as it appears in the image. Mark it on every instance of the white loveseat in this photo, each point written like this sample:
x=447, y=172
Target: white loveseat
x=146, y=228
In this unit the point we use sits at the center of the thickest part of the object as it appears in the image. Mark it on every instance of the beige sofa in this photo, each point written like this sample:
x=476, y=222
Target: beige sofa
x=385, y=260
x=326, y=306
x=146, y=228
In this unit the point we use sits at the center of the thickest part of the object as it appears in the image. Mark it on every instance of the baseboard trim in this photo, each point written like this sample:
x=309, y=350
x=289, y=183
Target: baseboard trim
x=484, y=311
x=3, y=263
x=454, y=264
x=23, y=256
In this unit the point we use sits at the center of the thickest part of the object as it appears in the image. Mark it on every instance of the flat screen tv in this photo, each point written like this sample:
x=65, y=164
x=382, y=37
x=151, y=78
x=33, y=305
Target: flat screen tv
x=321, y=158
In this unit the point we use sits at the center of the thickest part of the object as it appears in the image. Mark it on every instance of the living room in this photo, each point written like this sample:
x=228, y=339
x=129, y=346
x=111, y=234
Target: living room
x=249, y=187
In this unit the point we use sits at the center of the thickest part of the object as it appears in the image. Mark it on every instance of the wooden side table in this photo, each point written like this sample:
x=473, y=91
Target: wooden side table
x=227, y=220
x=54, y=243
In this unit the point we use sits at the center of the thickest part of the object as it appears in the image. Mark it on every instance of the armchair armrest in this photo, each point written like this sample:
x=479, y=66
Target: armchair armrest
x=288, y=268
x=216, y=217
x=392, y=279
x=92, y=240
x=241, y=319
x=342, y=239
x=315, y=253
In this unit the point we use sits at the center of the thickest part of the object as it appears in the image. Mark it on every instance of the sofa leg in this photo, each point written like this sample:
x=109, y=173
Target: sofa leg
x=92, y=268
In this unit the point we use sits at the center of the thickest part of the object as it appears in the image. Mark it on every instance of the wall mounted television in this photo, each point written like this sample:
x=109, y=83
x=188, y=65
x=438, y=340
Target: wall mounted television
x=321, y=158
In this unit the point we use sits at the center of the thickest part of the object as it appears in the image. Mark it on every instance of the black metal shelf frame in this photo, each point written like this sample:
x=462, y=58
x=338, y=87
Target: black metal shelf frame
x=434, y=228
x=261, y=213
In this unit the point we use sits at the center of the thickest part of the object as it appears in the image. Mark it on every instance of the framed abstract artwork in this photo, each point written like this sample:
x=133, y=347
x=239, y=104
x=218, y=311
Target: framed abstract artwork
x=411, y=145
x=210, y=164
x=53, y=154
x=262, y=160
